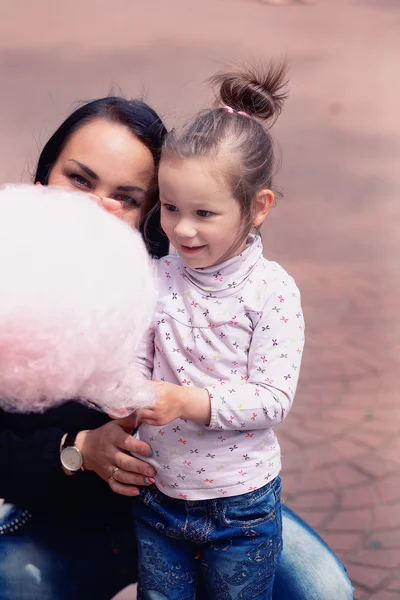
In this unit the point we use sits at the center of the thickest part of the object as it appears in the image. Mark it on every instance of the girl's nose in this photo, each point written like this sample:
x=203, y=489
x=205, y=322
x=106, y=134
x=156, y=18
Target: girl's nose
x=184, y=229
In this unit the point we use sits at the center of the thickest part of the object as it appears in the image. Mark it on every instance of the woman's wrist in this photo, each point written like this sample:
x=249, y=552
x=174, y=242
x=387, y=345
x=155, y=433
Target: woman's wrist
x=82, y=442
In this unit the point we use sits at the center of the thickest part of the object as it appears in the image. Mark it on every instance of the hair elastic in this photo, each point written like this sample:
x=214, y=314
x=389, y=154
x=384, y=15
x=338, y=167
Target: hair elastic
x=232, y=111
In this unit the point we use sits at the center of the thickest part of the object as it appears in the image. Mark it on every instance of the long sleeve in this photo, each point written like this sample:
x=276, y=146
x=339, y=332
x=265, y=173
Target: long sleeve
x=264, y=399
x=31, y=475
x=29, y=463
x=145, y=355
x=145, y=352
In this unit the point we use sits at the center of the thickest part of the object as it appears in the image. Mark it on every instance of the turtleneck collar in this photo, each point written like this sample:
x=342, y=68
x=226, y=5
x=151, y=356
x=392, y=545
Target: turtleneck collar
x=226, y=278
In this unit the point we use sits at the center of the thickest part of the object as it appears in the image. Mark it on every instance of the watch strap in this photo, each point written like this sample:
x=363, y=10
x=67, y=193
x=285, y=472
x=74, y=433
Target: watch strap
x=69, y=440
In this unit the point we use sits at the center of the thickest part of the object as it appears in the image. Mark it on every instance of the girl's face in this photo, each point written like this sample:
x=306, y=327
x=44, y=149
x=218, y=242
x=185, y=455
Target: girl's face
x=106, y=159
x=198, y=213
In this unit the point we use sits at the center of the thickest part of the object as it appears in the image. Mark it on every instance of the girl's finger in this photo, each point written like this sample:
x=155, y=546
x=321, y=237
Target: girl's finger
x=146, y=414
x=154, y=422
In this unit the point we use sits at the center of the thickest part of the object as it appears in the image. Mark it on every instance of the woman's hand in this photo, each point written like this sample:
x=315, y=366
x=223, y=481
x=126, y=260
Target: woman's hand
x=106, y=447
x=178, y=402
x=109, y=204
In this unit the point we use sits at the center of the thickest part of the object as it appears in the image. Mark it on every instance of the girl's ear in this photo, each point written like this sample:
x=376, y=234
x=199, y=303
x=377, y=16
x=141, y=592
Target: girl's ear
x=262, y=205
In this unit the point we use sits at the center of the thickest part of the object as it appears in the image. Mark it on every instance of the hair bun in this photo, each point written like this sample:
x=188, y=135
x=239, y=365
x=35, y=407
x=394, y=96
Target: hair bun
x=258, y=92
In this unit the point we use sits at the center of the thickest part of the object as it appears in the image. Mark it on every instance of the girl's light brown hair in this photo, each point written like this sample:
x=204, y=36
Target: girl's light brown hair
x=238, y=141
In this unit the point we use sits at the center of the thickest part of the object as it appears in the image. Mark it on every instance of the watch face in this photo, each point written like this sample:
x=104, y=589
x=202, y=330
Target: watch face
x=71, y=458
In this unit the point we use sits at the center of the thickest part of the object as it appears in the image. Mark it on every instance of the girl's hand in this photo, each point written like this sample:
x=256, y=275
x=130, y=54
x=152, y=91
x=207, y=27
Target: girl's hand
x=106, y=447
x=177, y=402
x=169, y=405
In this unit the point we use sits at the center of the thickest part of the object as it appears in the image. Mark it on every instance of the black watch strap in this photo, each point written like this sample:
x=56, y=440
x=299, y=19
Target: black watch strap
x=69, y=440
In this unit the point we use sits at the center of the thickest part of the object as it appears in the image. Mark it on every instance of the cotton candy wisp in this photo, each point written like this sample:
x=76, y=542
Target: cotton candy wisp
x=77, y=298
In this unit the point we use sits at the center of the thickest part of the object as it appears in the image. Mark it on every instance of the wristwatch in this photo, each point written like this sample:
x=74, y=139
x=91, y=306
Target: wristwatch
x=70, y=456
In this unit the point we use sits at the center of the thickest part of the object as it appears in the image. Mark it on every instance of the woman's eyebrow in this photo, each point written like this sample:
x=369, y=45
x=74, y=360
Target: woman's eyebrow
x=121, y=188
x=130, y=188
x=86, y=169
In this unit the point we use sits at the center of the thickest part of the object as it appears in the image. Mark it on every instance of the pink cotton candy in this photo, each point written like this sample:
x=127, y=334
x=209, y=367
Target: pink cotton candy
x=77, y=297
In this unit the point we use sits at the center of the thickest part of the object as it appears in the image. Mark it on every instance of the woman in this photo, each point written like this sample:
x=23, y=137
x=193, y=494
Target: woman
x=68, y=535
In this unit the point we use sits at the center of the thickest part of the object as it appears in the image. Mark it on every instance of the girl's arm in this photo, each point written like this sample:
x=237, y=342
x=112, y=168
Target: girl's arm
x=265, y=397
x=145, y=355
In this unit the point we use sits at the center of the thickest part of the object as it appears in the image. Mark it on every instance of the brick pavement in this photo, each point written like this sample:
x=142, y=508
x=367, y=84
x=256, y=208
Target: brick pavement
x=337, y=230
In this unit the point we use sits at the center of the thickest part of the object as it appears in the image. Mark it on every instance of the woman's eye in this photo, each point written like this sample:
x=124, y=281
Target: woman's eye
x=132, y=202
x=205, y=213
x=79, y=180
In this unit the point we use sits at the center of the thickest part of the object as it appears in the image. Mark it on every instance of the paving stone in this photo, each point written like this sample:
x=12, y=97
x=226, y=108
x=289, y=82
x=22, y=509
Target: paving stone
x=385, y=595
x=293, y=461
x=343, y=541
x=374, y=466
x=316, y=519
x=389, y=489
x=287, y=445
x=348, y=476
x=347, y=448
x=369, y=439
x=351, y=520
x=391, y=451
x=331, y=427
x=316, y=501
x=370, y=578
x=359, y=594
x=384, y=539
x=362, y=496
x=316, y=481
x=394, y=585
x=384, y=558
x=322, y=456
x=290, y=483
x=386, y=517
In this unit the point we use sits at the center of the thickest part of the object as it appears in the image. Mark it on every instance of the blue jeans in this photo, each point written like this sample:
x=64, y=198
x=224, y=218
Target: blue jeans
x=308, y=569
x=45, y=560
x=238, y=541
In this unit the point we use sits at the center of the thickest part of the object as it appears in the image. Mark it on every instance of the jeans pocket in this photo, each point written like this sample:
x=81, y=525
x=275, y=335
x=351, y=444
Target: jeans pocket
x=252, y=509
x=156, y=510
x=12, y=519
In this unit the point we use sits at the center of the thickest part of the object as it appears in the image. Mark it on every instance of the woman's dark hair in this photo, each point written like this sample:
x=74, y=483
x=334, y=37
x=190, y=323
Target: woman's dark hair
x=233, y=134
x=143, y=122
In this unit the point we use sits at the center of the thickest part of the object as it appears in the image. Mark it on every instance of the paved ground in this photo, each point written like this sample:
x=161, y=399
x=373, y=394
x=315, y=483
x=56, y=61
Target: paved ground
x=337, y=229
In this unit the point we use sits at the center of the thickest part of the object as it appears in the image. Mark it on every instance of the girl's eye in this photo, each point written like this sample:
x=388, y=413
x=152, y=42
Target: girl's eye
x=205, y=213
x=170, y=207
x=79, y=180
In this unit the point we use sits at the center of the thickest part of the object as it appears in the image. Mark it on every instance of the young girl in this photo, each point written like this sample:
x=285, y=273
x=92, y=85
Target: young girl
x=225, y=353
